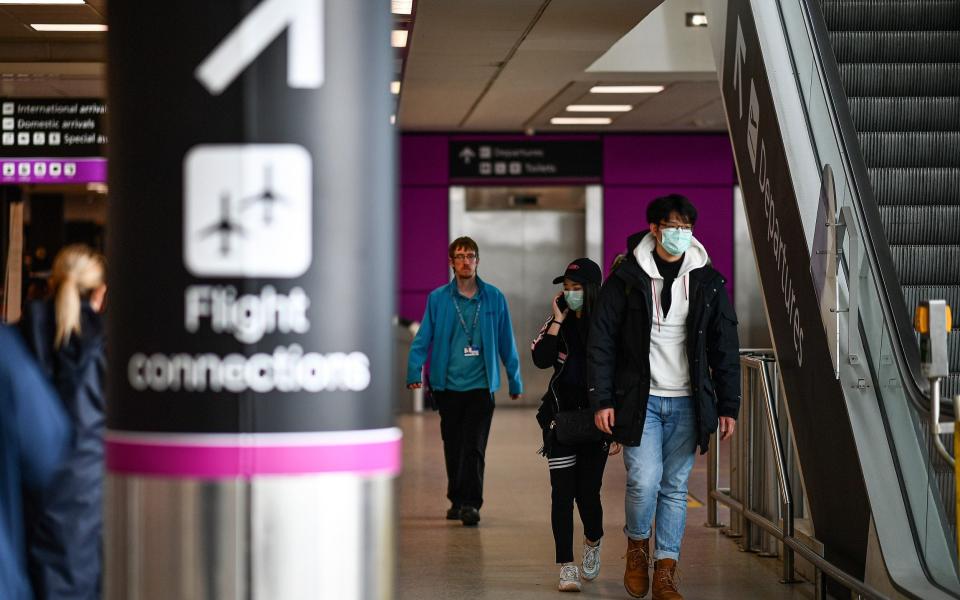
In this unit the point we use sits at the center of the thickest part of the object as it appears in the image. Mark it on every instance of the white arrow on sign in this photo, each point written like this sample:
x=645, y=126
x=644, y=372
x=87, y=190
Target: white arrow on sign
x=467, y=155
x=264, y=23
x=739, y=59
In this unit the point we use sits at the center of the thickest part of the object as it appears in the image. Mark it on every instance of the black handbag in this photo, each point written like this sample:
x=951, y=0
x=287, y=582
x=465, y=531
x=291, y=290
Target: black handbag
x=574, y=427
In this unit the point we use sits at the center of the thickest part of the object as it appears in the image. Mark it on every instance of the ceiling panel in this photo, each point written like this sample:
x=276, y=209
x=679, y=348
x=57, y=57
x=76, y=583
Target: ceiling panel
x=511, y=66
x=15, y=21
x=456, y=48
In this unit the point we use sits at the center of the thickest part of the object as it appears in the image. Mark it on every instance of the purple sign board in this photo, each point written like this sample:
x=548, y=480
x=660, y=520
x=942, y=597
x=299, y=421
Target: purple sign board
x=53, y=170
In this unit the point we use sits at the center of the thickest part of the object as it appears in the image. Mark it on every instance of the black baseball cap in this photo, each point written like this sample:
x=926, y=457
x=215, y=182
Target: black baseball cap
x=582, y=270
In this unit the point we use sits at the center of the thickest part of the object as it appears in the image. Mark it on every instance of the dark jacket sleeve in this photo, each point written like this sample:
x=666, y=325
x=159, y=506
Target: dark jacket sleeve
x=545, y=347
x=602, y=344
x=37, y=328
x=723, y=355
x=34, y=417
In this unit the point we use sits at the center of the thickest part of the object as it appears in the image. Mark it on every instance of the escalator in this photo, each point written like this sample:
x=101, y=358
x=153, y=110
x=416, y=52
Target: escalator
x=899, y=61
x=844, y=118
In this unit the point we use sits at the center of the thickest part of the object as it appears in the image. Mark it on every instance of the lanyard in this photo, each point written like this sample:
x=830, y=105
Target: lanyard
x=463, y=323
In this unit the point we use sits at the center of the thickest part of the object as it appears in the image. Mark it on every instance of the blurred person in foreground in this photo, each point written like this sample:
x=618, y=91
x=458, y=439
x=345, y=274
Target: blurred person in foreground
x=34, y=436
x=65, y=333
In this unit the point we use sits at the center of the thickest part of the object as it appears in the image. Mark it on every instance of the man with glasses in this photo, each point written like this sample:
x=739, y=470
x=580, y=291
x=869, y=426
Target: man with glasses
x=465, y=328
x=663, y=374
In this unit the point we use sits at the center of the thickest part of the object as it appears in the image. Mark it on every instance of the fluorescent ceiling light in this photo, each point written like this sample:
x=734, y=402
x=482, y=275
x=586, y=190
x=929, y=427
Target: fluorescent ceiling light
x=41, y=1
x=626, y=89
x=393, y=119
x=85, y=27
x=696, y=20
x=394, y=87
x=401, y=7
x=580, y=121
x=599, y=108
x=398, y=38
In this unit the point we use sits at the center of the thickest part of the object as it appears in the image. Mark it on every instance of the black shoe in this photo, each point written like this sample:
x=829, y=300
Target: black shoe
x=453, y=513
x=469, y=516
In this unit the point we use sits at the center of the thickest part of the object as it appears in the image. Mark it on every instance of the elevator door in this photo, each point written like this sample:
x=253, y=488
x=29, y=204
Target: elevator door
x=526, y=238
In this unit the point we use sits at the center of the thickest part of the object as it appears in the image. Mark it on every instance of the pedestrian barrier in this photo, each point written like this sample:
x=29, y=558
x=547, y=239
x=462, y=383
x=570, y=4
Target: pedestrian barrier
x=763, y=501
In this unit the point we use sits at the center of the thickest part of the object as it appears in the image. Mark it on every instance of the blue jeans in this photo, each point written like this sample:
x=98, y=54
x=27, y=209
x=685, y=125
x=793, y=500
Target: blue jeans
x=657, y=474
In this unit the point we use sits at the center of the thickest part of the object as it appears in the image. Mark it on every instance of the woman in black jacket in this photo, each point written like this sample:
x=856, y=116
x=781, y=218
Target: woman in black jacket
x=65, y=333
x=576, y=472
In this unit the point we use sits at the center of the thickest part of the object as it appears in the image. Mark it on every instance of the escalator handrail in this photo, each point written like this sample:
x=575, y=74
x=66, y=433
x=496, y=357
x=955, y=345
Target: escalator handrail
x=877, y=250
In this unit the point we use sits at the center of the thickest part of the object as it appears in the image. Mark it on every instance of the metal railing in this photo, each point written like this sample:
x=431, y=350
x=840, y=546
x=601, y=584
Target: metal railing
x=760, y=439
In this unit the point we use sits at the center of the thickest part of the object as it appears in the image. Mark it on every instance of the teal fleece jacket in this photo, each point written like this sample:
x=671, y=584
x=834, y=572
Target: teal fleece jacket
x=436, y=332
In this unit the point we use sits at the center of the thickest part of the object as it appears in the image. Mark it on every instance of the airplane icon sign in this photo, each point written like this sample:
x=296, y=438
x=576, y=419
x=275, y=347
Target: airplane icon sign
x=267, y=197
x=247, y=210
x=226, y=227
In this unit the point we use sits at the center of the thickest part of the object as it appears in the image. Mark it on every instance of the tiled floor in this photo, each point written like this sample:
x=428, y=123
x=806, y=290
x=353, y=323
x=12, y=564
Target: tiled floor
x=510, y=555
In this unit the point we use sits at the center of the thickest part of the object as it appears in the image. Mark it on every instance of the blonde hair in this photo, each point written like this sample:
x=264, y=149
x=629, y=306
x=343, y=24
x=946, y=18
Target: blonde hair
x=77, y=271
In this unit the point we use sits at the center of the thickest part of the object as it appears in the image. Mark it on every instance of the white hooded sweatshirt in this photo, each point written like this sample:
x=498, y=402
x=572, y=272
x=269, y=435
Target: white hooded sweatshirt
x=669, y=368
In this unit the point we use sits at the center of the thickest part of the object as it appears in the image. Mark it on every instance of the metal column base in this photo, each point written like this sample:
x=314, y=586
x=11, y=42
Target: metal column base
x=313, y=536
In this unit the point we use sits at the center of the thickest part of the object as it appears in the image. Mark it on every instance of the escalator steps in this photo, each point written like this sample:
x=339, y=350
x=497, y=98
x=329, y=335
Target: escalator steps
x=925, y=113
x=953, y=348
x=913, y=294
x=911, y=148
x=927, y=265
x=844, y=15
x=896, y=46
x=893, y=185
x=900, y=79
x=921, y=224
x=950, y=386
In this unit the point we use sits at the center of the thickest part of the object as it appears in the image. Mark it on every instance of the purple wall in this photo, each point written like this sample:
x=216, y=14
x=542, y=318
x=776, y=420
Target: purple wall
x=423, y=221
x=636, y=169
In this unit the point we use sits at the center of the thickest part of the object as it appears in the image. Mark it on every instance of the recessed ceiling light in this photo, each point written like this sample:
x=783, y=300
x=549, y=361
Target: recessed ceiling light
x=41, y=1
x=84, y=27
x=580, y=121
x=626, y=89
x=401, y=7
x=696, y=20
x=398, y=38
x=599, y=108
x=394, y=87
x=393, y=119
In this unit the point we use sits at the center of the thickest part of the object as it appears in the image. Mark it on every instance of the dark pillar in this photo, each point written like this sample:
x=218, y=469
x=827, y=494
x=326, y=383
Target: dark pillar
x=251, y=448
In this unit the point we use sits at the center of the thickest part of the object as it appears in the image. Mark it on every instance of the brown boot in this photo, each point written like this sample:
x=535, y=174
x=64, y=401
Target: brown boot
x=666, y=578
x=637, y=576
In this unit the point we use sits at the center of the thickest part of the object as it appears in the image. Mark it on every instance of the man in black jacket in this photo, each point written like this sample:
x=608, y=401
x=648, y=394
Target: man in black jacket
x=663, y=373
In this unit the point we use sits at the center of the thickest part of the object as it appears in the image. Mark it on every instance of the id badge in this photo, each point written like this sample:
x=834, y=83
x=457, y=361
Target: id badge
x=471, y=351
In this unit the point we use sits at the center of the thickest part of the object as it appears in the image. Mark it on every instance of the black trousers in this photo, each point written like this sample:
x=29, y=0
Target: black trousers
x=465, y=426
x=576, y=473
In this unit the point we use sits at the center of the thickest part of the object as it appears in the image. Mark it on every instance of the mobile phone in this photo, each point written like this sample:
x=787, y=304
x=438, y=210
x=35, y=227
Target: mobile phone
x=562, y=303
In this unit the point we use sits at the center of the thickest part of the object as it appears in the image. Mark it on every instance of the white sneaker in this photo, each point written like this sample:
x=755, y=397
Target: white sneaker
x=591, y=561
x=569, y=579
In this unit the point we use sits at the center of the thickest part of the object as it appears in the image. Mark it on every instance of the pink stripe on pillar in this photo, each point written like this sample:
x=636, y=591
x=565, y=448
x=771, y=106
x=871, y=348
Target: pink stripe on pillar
x=208, y=461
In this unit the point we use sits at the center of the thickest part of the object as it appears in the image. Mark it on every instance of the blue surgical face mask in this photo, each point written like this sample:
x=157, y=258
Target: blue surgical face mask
x=675, y=240
x=574, y=299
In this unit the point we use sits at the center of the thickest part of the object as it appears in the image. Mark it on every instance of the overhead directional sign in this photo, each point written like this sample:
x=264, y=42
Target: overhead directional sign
x=523, y=159
x=243, y=45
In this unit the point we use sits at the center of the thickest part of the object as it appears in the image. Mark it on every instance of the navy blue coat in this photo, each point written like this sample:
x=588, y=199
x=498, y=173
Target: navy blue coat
x=34, y=436
x=65, y=543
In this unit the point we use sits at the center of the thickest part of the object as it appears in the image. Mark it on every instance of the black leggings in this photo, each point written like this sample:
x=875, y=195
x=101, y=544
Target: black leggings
x=576, y=474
